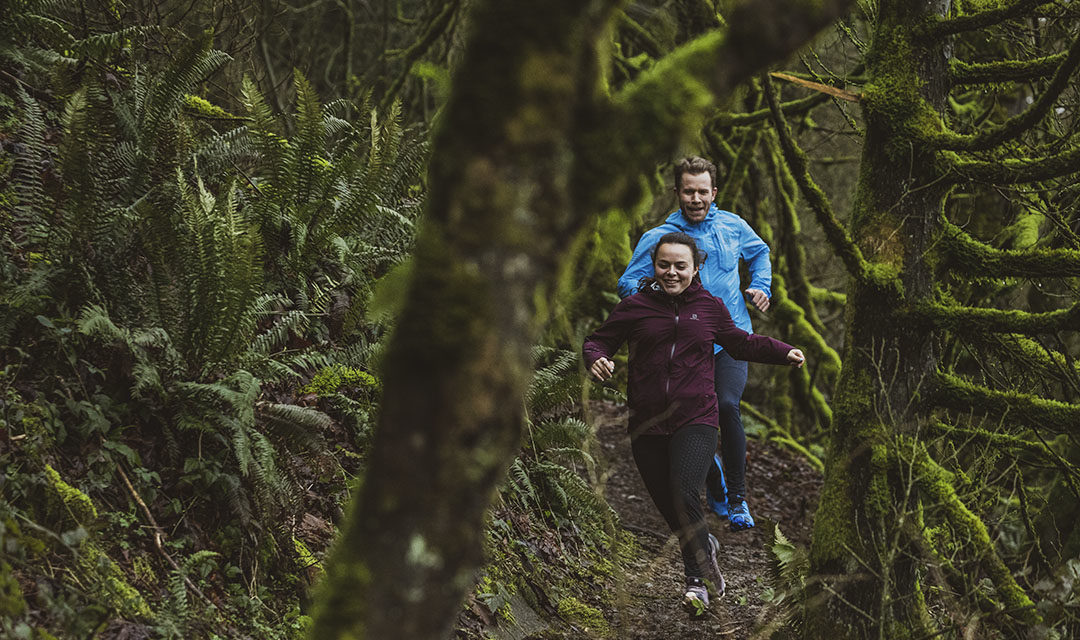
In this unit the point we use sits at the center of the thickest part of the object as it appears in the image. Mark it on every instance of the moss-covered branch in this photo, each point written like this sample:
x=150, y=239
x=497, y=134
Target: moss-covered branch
x=436, y=27
x=803, y=333
x=957, y=394
x=796, y=159
x=780, y=435
x=935, y=484
x=647, y=119
x=1005, y=440
x=945, y=27
x=793, y=251
x=995, y=135
x=1033, y=357
x=828, y=296
x=639, y=35
x=966, y=320
x=969, y=256
x=740, y=168
x=790, y=108
x=967, y=73
x=1012, y=170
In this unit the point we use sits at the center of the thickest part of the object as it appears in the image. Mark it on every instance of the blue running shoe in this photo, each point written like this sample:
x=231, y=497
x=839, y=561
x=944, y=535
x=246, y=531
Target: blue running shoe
x=716, y=488
x=739, y=514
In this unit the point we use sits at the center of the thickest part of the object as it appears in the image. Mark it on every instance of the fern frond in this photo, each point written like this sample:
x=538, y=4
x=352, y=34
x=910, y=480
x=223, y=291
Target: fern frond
x=301, y=424
x=32, y=206
x=556, y=380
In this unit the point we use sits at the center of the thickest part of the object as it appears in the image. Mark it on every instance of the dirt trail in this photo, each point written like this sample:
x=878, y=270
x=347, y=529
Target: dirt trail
x=782, y=488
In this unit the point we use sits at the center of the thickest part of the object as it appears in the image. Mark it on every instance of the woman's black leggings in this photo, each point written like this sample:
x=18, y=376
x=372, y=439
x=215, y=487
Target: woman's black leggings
x=673, y=468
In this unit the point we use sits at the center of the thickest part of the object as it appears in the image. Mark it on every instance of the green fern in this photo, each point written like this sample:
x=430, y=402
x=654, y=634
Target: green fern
x=556, y=381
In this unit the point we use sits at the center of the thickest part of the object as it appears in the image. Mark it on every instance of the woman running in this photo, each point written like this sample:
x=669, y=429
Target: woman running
x=671, y=325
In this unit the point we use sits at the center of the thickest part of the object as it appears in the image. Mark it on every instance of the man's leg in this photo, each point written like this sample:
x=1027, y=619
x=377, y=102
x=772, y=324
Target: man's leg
x=716, y=488
x=730, y=382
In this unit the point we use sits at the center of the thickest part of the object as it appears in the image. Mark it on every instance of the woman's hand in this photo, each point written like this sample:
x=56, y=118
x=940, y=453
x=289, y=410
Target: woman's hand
x=796, y=358
x=603, y=368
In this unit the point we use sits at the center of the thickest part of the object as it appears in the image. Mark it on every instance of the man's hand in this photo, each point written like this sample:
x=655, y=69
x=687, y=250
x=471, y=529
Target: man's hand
x=796, y=358
x=758, y=297
x=602, y=368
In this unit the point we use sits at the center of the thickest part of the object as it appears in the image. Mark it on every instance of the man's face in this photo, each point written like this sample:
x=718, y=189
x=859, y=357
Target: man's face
x=696, y=194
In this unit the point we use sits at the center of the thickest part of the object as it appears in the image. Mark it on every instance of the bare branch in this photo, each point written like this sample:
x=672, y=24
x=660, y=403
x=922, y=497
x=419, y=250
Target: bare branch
x=435, y=28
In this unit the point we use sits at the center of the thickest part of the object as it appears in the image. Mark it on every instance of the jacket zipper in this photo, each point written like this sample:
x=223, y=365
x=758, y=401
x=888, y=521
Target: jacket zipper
x=671, y=356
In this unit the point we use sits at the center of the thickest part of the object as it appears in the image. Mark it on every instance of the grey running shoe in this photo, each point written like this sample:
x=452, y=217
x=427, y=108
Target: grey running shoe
x=719, y=586
x=696, y=598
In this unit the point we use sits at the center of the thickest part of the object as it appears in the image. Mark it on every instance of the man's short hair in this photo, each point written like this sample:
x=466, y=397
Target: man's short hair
x=694, y=165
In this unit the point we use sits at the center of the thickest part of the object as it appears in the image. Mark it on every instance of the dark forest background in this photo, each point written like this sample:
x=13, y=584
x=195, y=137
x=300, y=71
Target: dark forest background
x=277, y=274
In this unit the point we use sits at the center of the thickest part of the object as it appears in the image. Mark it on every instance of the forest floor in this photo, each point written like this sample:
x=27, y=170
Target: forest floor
x=782, y=489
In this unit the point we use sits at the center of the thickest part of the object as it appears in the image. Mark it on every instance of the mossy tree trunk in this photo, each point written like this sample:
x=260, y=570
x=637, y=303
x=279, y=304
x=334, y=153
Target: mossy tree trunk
x=875, y=556
x=859, y=546
x=531, y=146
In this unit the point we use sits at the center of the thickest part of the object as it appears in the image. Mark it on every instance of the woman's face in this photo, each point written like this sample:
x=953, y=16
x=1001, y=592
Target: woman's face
x=674, y=267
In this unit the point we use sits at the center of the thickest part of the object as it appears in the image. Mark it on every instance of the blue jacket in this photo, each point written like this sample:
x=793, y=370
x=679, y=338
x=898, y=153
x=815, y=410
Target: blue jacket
x=725, y=237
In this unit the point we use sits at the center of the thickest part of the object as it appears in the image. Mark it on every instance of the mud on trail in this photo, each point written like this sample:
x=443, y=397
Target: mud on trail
x=782, y=489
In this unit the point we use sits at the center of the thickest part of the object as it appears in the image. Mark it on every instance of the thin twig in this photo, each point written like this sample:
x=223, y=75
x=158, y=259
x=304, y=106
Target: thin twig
x=159, y=535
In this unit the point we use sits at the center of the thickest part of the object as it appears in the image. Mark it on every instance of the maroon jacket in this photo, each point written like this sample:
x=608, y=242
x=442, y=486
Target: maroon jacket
x=671, y=354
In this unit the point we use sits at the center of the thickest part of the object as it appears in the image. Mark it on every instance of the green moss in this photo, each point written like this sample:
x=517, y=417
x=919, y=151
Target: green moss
x=32, y=545
x=304, y=555
x=74, y=508
x=879, y=498
x=935, y=483
x=329, y=380
x=117, y=592
x=588, y=618
x=204, y=108
x=76, y=503
x=144, y=571
x=12, y=604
